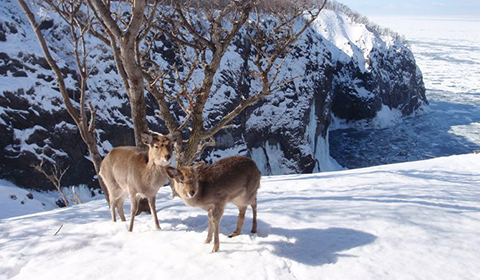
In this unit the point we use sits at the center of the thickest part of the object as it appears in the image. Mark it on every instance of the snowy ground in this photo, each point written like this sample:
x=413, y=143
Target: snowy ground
x=15, y=201
x=448, y=53
x=417, y=220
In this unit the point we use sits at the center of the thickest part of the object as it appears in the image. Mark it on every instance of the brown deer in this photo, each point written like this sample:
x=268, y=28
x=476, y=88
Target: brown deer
x=131, y=171
x=233, y=179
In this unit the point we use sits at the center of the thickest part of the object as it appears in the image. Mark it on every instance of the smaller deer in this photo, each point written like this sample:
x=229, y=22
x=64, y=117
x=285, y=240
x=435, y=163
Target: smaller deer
x=233, y=179
x=130, y=171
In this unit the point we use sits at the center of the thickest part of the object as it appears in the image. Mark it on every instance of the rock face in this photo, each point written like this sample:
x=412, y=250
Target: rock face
x=346, y=71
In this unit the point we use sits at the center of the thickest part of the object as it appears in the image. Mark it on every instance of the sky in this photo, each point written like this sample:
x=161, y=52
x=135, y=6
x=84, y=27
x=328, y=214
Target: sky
x=469, y=8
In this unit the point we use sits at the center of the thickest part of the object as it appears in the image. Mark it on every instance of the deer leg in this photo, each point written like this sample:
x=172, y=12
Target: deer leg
x=134, y=201
x=119, y=205
x=217, y=218
x=254, y=222
x=241, y=219
x=151, y=203
x=121, y=213
x=210, y=227
x=112, y=210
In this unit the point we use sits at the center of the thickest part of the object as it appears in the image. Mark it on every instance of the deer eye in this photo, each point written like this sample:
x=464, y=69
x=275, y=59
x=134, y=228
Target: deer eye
x=181, y=179
x=156, y=147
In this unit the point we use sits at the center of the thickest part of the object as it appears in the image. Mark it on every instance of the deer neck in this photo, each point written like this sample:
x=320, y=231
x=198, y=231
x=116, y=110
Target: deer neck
x=152, y=170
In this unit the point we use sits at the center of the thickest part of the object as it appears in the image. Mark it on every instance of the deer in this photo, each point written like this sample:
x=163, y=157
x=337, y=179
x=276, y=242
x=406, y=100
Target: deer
x=132, y=171
x=234, y=179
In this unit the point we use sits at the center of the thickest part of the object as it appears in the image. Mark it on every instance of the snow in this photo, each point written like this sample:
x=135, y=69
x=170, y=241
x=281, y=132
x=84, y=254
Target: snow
x=322, y=154
x=446, y=50
x=385, y=118
x=417, y=220
x=240, y=149
x=354, y=40
x=23, y=136
x=270, y=159
x=15, y=201
x=105, y=88
x=65, y=125
x=319, y=147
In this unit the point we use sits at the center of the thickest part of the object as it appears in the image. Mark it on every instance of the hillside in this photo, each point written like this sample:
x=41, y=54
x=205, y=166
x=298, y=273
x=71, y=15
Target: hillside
x=417, y=220
x=346, y=70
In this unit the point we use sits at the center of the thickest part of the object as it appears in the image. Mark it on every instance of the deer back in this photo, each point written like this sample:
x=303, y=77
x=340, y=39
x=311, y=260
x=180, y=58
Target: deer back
x=129, y=168
x=232, y=179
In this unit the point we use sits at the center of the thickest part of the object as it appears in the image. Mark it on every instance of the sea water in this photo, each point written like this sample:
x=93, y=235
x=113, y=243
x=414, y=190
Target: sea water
x=447, y=50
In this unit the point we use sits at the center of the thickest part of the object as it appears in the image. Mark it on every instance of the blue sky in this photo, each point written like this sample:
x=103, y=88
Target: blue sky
x=415, y=7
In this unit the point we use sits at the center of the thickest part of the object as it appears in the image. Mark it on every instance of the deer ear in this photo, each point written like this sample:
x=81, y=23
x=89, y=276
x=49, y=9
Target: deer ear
x=147, y=137
x=172, y=172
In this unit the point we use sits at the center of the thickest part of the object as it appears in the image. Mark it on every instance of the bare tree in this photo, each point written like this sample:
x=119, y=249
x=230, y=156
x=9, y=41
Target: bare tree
x=121, y=25
x=124, y=35
x=201, y=31
x=118, y=24
x=84, y=122
x=76, y=198
x=202, y=45
x=54, y=175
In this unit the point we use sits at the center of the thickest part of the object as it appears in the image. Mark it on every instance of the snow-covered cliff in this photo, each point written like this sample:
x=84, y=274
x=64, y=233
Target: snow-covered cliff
x=347, y=71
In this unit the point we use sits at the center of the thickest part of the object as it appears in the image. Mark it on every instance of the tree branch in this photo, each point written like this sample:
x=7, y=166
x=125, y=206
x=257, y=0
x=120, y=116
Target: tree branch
x=149, y=22
x=191, y=30
x=159, y=96
x=53, y=64
x=136, y=19
x=105, y=17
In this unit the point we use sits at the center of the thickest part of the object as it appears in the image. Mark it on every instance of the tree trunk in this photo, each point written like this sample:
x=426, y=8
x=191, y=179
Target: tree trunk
x=136, y=89
x=97, y=161
x=136, y=95
x=64, y=197
x=139, y=119
x=138, y=111
x=196, y=138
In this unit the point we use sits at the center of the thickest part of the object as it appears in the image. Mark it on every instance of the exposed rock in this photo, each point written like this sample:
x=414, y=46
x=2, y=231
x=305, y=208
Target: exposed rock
x=349, y=75
x=60, y=203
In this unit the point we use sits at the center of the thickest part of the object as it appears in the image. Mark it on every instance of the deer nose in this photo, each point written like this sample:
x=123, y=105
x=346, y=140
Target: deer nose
x=191, y=193
x=167, y=157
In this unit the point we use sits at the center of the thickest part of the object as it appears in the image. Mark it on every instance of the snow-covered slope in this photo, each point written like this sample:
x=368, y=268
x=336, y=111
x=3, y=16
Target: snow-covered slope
x=15, y=201
x=416, y=220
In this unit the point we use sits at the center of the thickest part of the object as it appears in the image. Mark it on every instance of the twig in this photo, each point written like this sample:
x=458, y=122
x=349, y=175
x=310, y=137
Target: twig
x=58, y=229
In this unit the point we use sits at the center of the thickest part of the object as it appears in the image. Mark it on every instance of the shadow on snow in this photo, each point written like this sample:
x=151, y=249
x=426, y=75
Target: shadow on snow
x=315, y=247
x=309, y=246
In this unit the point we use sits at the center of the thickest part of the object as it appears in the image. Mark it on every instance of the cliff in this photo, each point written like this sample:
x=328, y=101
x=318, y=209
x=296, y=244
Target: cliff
x=347, y=71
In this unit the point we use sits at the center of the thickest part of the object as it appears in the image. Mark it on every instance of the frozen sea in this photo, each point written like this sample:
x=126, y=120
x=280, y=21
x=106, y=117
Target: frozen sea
x=447, y=50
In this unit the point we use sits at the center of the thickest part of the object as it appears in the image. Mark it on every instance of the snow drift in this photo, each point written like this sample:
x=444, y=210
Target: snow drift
x=416, y=220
